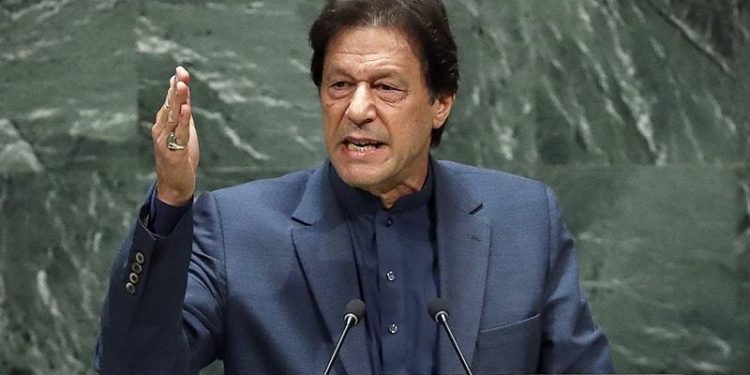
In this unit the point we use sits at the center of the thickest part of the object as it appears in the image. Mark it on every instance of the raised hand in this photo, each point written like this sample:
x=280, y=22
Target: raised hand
x=175, y=142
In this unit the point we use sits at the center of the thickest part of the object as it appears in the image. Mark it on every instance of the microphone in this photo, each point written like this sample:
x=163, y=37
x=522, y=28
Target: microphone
x=354, y=312
x=438, y=310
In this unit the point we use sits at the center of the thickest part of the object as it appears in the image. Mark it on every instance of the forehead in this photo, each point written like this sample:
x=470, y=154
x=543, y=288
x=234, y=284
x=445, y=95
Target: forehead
x=372, y=46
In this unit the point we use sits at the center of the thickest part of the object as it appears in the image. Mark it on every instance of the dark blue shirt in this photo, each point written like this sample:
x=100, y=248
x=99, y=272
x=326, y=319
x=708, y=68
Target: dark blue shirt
x=395, y=252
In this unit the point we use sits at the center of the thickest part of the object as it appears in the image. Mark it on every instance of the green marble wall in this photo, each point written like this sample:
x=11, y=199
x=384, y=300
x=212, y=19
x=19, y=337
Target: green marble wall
x=636, y=111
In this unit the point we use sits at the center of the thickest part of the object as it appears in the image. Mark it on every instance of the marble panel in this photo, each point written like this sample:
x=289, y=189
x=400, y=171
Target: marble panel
x=71, y=172
x=664, y=258
x=601, y=82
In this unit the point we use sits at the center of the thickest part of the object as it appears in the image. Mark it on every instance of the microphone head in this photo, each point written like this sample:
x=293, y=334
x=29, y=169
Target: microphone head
x=437, y=306
x=355, y=308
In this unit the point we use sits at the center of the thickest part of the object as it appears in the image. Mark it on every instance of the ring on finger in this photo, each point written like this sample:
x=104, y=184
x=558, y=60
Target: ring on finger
x=172, y=144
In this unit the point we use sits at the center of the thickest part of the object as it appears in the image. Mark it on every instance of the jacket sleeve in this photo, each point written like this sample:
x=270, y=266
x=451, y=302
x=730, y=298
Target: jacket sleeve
x=162, y=313
x=572, y=343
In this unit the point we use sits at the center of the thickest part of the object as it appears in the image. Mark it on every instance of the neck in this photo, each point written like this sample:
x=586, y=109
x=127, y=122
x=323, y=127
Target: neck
x=388, y=196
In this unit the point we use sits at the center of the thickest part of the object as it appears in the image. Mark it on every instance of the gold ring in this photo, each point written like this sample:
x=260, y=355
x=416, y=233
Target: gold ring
x=172, y=144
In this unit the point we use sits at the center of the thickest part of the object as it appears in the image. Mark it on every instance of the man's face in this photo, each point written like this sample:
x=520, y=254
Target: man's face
x=377, y=110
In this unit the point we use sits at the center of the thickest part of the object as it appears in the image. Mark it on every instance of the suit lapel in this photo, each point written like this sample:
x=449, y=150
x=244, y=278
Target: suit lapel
x=323, y=245
x=463, y=250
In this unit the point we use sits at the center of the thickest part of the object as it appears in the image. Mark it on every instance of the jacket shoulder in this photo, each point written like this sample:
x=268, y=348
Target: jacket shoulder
x=278, y=194
x=489, y=182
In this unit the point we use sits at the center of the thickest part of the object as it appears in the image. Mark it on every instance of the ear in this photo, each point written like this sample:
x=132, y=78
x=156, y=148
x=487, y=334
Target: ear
x=442, y=109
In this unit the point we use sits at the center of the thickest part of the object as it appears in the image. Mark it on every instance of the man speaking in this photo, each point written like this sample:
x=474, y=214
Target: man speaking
x=258, y=275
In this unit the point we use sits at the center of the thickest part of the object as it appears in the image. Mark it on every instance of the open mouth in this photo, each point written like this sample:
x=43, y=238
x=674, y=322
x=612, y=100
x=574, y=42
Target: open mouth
x=362, y=145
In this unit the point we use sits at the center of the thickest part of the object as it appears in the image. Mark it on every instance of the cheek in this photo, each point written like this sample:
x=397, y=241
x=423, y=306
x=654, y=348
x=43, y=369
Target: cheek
x=330, y=139
x=331, y=118
x=334, y=110
x=420, y=130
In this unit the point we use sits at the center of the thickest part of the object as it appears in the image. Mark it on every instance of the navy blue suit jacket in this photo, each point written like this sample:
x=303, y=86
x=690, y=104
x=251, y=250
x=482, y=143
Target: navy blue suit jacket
x=272, y=267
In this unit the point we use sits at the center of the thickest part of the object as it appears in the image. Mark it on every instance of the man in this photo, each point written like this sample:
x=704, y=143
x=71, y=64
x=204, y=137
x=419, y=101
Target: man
x=258, y=274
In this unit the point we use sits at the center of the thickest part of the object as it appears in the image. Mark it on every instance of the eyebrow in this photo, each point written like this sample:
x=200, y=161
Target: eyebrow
x=386, y=72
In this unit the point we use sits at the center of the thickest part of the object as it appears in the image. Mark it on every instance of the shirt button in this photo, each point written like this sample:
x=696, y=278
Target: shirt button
x=391, y=276
x=389, y=222
x=393, y=329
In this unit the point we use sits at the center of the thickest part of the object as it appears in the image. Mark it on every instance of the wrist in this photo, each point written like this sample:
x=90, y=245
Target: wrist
x=172, y=198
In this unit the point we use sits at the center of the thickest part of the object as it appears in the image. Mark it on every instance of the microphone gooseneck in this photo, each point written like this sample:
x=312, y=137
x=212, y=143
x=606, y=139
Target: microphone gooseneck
x=438, y=310
x=353, y=314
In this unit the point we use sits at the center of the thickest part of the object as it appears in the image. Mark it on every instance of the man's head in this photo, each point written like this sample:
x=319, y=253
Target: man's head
x=424, y=21
x=387, y=76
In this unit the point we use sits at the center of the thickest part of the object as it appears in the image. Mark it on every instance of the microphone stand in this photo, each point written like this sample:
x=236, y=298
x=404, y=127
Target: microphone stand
x=355, y=310
x=350, y=320
x=442, y=318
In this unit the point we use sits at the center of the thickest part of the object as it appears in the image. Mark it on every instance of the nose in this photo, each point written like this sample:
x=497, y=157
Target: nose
x=361, y=110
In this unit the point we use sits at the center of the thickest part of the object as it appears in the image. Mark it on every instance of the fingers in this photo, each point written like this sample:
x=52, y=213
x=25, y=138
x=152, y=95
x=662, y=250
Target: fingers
x=174, y=109
x=175, y=100
x=180, y=114
x=182, y=75
x=179, y=92
x=167, y=112
x=182, y=130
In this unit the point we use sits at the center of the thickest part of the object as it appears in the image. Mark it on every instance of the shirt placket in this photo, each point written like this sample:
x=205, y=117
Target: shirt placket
x=390, y=284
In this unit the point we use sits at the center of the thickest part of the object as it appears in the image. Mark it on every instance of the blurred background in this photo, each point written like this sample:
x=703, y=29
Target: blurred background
x=636, y=111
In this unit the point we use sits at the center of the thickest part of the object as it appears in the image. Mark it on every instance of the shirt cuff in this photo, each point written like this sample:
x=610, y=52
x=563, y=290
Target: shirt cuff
x=164, y=217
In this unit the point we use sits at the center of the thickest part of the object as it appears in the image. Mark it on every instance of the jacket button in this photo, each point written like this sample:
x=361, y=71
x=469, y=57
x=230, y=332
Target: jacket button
x=130, y=287
x=136, y=267
x=393, y=329
x=140, y=258
x=133, y=278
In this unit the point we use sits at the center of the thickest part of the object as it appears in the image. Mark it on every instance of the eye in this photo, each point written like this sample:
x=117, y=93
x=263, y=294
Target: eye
x=340, y=85
x=389, y=93
x=339, y=89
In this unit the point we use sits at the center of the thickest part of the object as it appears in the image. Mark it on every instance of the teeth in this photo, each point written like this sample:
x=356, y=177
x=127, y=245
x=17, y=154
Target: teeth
x=361, y=148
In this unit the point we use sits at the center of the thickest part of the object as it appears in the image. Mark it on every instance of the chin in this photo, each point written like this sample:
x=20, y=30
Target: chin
x=364, y=178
